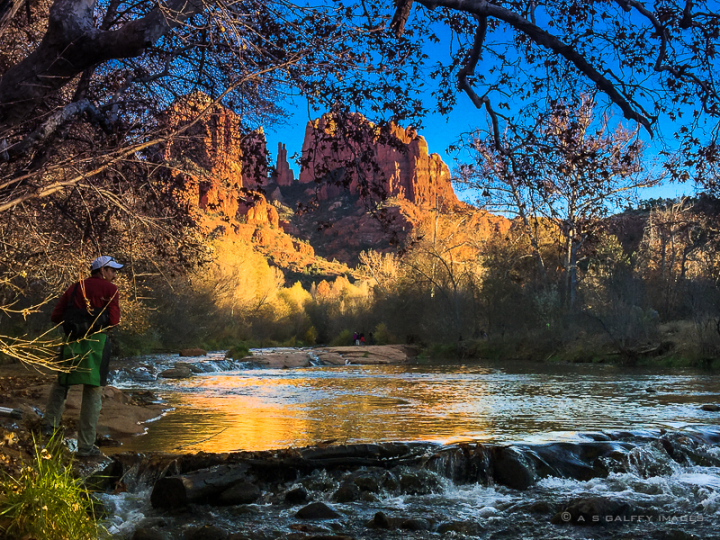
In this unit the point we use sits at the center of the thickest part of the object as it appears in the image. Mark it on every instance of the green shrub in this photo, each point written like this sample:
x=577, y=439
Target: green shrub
x=47, y=501
x=382, y=335
x=344, y=338
x=311, y=336
x=133, y=344
x=241, y=350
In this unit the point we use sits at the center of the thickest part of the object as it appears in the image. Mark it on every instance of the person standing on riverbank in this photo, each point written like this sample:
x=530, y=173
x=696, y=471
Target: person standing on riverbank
x=85, y=309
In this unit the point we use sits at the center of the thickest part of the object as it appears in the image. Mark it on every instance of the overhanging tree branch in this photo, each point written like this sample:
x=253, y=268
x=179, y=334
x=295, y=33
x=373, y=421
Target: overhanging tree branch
x=73, y=44
x=481, y=8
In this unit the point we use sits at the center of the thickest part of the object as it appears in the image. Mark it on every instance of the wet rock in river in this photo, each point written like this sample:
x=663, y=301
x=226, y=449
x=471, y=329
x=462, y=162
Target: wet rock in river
x=379, y=521
x=186, y=365
x=418, y=482
x=240, y=493
x=257, y=535
x=176, y=373
x=202, y=486
x=651, y=460
x=346, y=493
x=512, y=469
x=592, y=511
x=151, y=533
x=461, y=527
x=208, y=532
x=368, y=483
x=317, y=510
x=298, y=495
x=710, y=407
x=415, y=524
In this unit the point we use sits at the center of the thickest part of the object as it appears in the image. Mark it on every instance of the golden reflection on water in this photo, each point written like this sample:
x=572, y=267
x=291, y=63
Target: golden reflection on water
x=268, y=409
x=247, y=413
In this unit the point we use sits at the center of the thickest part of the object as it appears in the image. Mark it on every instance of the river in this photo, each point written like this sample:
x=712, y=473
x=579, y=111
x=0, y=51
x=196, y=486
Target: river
x=236, y=407
x=260, y=409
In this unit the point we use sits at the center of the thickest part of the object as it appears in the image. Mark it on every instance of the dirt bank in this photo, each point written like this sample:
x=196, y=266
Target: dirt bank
x=27, y=389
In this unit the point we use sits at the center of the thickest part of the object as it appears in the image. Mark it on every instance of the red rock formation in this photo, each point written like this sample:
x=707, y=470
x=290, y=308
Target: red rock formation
x=397, y=164
x=220, y=163
x=212, y=146
x=260, y=212
x=284, y=175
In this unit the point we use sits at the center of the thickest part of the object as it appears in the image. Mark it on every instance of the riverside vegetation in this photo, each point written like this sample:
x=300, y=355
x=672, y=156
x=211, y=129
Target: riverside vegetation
x=648, y=296
x=47, y=499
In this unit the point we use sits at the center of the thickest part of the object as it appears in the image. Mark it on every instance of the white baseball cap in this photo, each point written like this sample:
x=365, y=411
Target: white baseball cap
x=104, y=261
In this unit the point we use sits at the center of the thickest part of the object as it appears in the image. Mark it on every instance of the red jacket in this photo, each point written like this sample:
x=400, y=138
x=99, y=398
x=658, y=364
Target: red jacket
x=99, y=293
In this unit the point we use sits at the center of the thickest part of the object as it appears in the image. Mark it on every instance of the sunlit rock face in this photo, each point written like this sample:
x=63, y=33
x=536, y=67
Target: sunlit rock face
x=373, y=163
x=218, y=161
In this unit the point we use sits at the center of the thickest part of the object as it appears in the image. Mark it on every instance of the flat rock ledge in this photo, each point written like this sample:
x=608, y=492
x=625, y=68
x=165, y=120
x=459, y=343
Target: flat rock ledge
x=336, y=356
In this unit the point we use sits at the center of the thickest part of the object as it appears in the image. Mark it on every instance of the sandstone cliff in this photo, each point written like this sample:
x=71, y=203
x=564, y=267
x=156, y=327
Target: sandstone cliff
x=222, y=166
x=219, y=163
x=372, y=162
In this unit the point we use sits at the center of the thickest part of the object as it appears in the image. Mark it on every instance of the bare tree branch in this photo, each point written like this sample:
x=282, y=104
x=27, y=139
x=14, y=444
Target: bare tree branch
x=52, y=124
x=482, y=8
x=680, y=72
x=402, y=13
x=8, y=9
x=72, y=44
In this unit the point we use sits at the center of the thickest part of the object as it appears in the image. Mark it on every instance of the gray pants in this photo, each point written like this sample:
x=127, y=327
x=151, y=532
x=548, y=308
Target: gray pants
x=89, y=412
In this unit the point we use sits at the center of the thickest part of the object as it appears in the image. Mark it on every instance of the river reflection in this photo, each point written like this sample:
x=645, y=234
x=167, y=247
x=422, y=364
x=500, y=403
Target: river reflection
x=266, y=409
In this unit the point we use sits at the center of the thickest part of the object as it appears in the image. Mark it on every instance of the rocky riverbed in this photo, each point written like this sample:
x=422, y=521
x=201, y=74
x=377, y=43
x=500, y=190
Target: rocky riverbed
x=652, y=484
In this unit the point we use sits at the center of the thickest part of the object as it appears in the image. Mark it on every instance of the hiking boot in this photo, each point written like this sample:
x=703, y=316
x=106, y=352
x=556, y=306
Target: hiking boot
x=91, y=453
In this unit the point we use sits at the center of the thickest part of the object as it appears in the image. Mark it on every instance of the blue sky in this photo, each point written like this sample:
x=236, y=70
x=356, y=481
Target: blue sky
x=439, y=131
x=442, y=131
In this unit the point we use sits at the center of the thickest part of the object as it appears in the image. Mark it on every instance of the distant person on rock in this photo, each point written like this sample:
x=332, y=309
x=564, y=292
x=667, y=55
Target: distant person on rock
x=362, y=339
x=85, y=310
x=356, y=338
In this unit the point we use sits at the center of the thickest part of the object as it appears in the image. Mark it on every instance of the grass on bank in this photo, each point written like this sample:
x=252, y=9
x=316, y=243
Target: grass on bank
x=46, y=501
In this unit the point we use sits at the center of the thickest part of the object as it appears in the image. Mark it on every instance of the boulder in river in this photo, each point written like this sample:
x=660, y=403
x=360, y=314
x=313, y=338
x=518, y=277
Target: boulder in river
x=208, y=532
x=151, y=533
x=298, y=495
x=710, y=407
x=240, y=493
x=346, y=493
x=593, y=511
x=202, y=486
x=511, y=468
x=187, y=365
x=176, y=373
x=415, y=524
x=317, y=510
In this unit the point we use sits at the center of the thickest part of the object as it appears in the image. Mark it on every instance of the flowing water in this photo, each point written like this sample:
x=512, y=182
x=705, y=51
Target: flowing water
x=232, y=406
x=259, y=409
